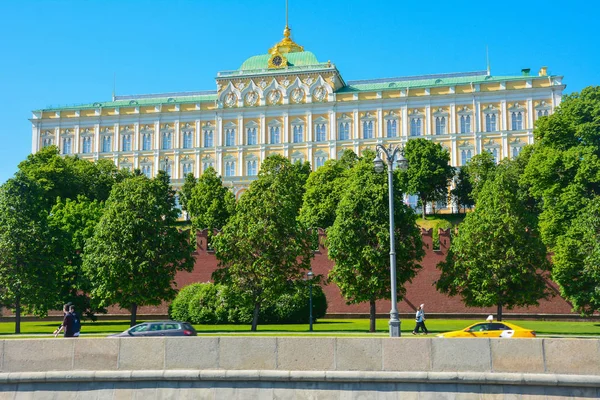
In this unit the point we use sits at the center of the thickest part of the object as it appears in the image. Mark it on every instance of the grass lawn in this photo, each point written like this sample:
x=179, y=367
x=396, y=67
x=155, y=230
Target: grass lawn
x=327, y=327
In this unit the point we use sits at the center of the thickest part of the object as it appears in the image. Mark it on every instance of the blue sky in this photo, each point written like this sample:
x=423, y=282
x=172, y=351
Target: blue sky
x=66, y=52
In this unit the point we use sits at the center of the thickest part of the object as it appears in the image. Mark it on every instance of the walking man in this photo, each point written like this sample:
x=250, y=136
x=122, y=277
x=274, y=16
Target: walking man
x=420, y=319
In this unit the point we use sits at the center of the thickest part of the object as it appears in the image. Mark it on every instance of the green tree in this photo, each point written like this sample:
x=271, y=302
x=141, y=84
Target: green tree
x=497, y=258
x=461, y=194
x=359, y=240
x=28, y=251
x=577, y=261
x=211, y=204
x=263, y=246
x=76, y=220
x=563, y=171
x=324, y=189
x=429, y=172
x=135, y=252
x=185, y=194
x=479, y=169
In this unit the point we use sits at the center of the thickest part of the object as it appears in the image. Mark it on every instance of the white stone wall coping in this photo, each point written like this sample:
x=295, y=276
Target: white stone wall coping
x=478, y=378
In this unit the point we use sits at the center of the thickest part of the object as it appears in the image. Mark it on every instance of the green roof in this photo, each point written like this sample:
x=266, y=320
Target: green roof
x=301, y=58
x=134, y=101
x=403, y=83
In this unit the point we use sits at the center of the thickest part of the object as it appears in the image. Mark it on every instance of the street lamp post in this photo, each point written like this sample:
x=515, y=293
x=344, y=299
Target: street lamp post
x=310, y=315
x=390, y=154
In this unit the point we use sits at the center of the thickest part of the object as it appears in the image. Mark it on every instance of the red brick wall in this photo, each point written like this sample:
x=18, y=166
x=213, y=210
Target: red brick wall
x=421, y=290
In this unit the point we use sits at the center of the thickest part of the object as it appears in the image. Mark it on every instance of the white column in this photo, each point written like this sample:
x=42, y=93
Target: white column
x=355, y=126
x=176, y=161
x=452, y=118
x=219, y=162
x=241, y=132
x=240, y=163
x=263, y=130
x=57, y=138
x=404, y=121
x=379, y=133
x=96, y=138
x=477, y=111
x=505, y=153
x=286, y=128
x=198, y=135
x=428, y=120
x=136, y=137
x=454, y=153
x=197, y=163
x=157, y=136
x=504, y=116
x=177, y=135
x=332, y=128
x=309, y=129
x=529, y=112
x=117, y=137
x=35, y=138
x=219, y=132
x=76, y=140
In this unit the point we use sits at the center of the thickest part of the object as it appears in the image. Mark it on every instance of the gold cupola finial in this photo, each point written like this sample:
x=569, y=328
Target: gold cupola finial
x=286, y=45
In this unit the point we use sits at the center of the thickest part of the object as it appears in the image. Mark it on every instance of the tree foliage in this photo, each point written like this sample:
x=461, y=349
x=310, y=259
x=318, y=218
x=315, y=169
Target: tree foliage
x=76, y=220
x=28, y=250
x=263, y=246
x=497, y=258
x=461, y=194
x=210, y=204
x=479, y=170
x=577, y=261
x=185, y=194
x=324, y=189
x=359, y=240
x=135, y=251
x=429, y=172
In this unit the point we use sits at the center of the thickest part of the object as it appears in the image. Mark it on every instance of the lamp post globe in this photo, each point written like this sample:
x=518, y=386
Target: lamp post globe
x=390, y=154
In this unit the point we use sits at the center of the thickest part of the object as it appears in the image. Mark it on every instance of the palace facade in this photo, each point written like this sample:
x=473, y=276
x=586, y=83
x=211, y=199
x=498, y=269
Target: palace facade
x=289, y=103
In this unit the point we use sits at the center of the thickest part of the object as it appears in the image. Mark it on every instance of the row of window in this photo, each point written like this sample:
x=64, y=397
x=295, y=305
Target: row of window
x=466, y=154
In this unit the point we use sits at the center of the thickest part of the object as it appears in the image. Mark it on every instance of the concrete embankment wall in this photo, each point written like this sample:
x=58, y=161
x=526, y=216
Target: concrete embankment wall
x=300, y=367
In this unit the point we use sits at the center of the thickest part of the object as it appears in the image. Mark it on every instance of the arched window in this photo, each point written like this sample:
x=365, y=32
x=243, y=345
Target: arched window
x=209, y=138
x=229, y=137
x=344, y=131
x=66, y=145
x=490, y=122
x=415, y=126
x=368, y=129
x=440, y=125
x=166, y=140
x=321, y=132
x=251, y=167
x=146, y=141
x=465, y=156
x=187, y=140
x=147, y=170
x=392, y=128
x=298, y=133
x=126, y=143
x=517, y=121
x=106, y=144
x=187, y=168
x=230, y=168
x=275, y=135
x=465, y=124
x=87, y=145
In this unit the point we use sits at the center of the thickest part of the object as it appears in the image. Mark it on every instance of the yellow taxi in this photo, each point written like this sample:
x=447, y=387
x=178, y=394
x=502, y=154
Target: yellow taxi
x=491, y=330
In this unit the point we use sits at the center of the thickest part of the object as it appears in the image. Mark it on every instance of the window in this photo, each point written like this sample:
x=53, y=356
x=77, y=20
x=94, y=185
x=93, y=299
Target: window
x=87, y=145
x=542, y=113
x=207, y=164
x=106, y=144
x=320, y=161
x=126, y=145
x=251, y=167
x=465, y=156
x=275, y=136
x=208, y=138
x=229, y=137
x=465, y=124
x=367, y=129
x=47, y=142
x=146, y=141
x=321, y=132
x=297, y=157
x=298, y=133
x=251, y=136
x=147, y=170
x=516, y=150
x=494, y=153
x=415, y=127
x=440, y=125
x=230, y=168
x=490, y=122
x=344, y=133
x=187, y=140
x=517, y=121
x=167, y=166
x=187, y=168
x=67, y=145
x=392, y=128
x=166, y=140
